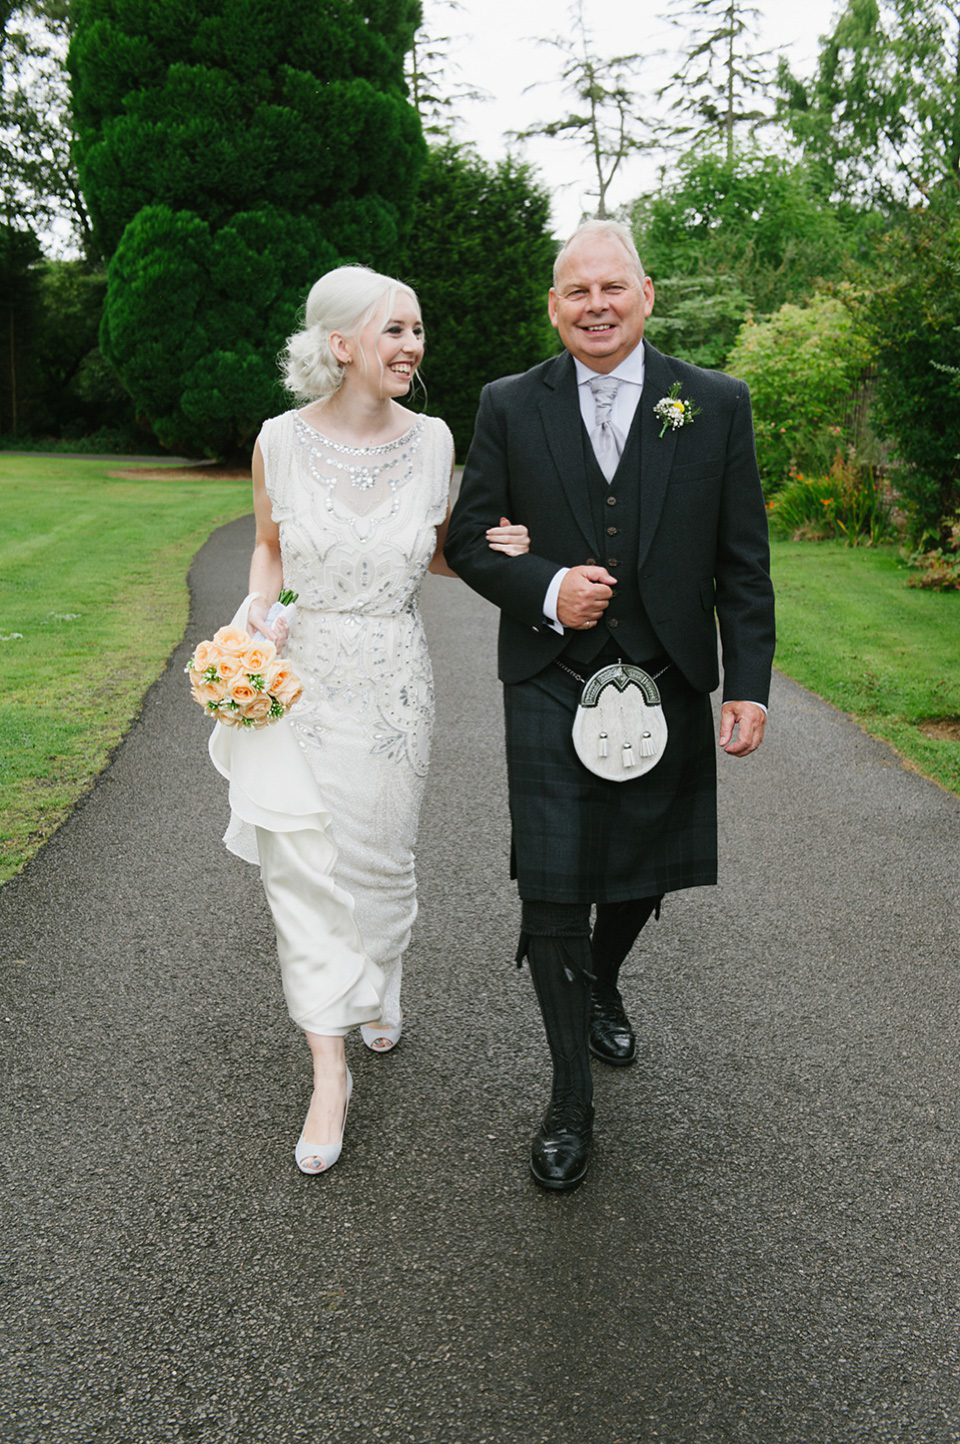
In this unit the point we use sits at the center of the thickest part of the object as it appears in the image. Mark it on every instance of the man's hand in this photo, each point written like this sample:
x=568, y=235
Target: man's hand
x=749, y=721
x=584, y=596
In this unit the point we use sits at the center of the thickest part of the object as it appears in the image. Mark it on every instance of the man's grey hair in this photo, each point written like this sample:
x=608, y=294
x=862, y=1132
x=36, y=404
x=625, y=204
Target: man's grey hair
x=607, y=230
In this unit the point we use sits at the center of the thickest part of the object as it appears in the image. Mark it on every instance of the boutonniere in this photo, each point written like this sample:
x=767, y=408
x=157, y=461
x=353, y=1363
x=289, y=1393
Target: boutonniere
x=674, y=412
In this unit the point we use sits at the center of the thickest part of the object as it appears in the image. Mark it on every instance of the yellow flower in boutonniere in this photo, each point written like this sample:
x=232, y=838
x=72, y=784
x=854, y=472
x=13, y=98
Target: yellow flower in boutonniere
x=675, y=412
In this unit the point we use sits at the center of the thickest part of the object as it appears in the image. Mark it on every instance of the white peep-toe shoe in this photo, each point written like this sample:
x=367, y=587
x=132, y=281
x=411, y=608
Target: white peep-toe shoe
x=318, y=1157
x=380, y=1039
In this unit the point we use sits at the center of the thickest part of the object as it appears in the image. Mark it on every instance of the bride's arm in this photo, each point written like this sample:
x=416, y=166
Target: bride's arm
x=266, y=567
x=514, y=541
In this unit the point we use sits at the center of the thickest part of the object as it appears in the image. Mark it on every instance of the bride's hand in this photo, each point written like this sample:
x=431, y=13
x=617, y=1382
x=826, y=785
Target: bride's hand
x=512, y=540
x=278, y=633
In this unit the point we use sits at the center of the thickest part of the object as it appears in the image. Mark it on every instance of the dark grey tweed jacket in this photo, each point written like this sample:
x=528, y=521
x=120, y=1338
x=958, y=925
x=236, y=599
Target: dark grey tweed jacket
x=703, y=529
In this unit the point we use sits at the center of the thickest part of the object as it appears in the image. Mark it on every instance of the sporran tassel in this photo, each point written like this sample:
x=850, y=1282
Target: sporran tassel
x=647, y=748
x=602, y=745
x=627, y=755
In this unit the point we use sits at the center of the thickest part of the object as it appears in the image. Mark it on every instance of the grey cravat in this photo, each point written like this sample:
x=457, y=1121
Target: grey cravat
x=606, y=440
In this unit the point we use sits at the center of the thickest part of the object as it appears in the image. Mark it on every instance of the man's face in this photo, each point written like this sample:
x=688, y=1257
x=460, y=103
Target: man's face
x=599, y=304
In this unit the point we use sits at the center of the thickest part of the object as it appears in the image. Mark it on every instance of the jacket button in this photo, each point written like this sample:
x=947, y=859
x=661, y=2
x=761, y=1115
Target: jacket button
x=612, y=530
x=611, y=501
x=590, y=562
x=613, y=561
x=612, y=622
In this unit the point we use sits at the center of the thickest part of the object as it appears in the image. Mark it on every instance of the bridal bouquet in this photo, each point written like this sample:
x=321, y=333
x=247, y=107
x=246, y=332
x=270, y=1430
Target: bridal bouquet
x=240, y=681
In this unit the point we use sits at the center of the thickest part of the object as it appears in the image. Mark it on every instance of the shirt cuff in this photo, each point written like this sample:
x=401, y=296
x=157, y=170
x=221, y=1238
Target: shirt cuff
x=550, y=602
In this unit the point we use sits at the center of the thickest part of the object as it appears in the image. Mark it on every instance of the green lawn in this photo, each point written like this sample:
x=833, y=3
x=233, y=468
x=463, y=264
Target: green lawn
x=93, y=599
x=850, y=629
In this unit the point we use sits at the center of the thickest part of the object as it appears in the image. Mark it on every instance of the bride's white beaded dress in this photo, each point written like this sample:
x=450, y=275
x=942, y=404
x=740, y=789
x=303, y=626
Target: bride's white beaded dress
x=357, y=533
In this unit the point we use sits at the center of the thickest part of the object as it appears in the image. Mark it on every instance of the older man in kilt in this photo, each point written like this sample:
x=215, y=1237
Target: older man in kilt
x=647, y=527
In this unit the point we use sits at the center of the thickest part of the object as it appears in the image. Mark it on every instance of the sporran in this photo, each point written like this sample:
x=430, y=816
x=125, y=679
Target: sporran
x=619, y=730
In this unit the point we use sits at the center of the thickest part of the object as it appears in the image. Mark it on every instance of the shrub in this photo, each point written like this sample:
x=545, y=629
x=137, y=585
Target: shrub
x=911, y=311
x=802, y=367
x=229, y=153
x=939, y=568
x=481, y=230
x=851, y=504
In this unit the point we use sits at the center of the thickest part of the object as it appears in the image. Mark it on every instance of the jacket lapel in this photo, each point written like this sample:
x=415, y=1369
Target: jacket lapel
x=560, y=415
x=656, y=452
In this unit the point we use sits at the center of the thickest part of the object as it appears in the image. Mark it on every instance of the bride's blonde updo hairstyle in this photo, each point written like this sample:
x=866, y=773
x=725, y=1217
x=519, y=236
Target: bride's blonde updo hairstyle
x=343, y=300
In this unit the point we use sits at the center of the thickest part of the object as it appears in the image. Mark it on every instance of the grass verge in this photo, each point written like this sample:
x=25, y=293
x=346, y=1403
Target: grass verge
x=93, y=599
x=849, y=629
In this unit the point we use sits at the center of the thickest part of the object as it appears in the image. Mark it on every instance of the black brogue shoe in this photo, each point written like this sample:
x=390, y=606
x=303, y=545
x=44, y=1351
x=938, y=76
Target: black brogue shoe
x=611, y=1036
x=561, y=1145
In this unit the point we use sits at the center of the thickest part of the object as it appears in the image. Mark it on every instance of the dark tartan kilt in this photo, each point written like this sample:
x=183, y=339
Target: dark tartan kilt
x=580, y=838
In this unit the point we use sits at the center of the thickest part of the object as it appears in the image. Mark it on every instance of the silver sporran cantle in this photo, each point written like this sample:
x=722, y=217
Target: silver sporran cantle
x=619, y=730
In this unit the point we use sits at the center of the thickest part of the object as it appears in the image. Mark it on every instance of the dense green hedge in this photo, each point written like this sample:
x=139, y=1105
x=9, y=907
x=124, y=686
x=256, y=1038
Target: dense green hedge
x=230, y=151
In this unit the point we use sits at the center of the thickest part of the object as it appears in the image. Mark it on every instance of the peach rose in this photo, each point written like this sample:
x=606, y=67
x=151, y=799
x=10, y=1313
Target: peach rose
x=241, y=691
x=207, y=654
x=275, y=673
x=258, y=656
x=229, y=666
x=205, y=692
x=259, y=709
x=232, y=639
x=289, y=690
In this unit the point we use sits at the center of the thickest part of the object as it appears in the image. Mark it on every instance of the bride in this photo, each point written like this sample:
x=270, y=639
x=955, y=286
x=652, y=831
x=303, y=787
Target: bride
x=351, y=503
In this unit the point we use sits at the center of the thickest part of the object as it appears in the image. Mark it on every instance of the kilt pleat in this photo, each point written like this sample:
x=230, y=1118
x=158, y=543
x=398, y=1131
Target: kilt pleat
x=580, y=838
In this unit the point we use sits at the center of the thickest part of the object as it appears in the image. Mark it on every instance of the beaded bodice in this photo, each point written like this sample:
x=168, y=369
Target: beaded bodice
x=357, y=524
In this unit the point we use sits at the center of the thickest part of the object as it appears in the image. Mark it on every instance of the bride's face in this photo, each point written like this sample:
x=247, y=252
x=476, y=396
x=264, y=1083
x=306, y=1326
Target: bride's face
x=387, y=352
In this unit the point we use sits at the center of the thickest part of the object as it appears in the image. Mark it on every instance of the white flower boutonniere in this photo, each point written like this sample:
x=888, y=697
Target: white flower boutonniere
x=674, y=412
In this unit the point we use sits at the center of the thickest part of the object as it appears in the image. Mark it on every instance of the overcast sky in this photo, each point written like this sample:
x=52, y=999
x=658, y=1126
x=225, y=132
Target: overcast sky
x=496, y=51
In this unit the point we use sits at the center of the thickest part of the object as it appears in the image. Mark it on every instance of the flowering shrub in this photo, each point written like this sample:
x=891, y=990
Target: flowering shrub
x=851, y=504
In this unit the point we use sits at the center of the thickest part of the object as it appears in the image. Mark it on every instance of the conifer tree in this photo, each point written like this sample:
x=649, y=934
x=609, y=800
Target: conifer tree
x=603, y=118
x=721, y=77
x=480, y=250
x=231, y=151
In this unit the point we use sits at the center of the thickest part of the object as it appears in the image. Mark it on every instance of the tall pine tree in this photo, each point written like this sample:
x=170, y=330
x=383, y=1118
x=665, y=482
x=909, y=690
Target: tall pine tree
x=721, y=77
x=231, y=151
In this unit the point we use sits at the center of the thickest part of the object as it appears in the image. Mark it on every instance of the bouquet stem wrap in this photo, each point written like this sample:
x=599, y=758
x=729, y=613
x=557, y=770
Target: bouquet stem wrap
x=278, y=819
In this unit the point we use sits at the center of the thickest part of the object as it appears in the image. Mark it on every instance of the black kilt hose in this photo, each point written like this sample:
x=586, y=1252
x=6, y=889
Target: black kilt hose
x=578, y=838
